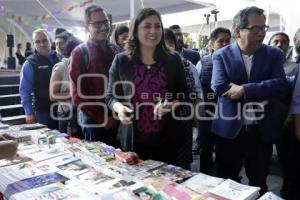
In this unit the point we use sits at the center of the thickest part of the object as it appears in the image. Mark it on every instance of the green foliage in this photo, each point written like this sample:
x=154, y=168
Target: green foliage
x=202, y=41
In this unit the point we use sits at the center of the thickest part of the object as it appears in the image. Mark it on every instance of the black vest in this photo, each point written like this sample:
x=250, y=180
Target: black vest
x=205, y=79
x=42, y=70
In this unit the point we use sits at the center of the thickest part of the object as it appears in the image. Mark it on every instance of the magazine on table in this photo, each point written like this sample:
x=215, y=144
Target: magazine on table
x=148, y=165
x=236, y=191
x=33, y=182
x=202, y=183
x=73, y=168
x=176, y=191
x=122, y=194
x=72, y=190
x=211, y=196
x=59, y=160
x=117, y=184
x=158, y=183
x=20, y=136
x=149, y=193
x=51, y=192
x=173, y=173
x=270, y=196
x=127, y=171
x=93, y=177
x=14, y=173
x=28, y=126
x=45, y=154
x=16, y=160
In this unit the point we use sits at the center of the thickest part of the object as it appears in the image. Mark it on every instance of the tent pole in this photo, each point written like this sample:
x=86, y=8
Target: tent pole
x=28, y=38
x=131, y=9
x=49, y=12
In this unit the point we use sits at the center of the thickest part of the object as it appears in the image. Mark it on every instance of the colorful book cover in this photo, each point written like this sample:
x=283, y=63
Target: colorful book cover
x=33, y=182
x=202, y=183
x=178, y=192
x=148, y=193
x=148, y=165
x=173, y=173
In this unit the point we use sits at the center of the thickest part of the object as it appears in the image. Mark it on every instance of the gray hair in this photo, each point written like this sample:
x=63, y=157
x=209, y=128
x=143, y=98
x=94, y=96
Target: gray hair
x=240, y=20
x=40, y=30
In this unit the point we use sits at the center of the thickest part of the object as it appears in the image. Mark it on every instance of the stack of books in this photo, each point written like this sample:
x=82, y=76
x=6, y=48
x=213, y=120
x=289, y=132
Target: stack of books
x=83, y=170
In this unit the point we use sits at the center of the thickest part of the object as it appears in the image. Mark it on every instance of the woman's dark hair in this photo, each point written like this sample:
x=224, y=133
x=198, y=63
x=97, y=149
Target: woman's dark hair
x=170, y=36
x=59, y=31
x=71, y=43
x=64, y=35
x=175, y=26
x=28, y=45
x=132, y=47
x=70, y=40
x=119, y=30
x=214, y=34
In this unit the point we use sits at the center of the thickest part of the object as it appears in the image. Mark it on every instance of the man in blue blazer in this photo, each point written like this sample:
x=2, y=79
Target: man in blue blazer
x=247, y=78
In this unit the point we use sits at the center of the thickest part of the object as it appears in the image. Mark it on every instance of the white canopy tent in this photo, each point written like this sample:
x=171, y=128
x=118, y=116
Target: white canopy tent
x=21, y=17
x=67, y=13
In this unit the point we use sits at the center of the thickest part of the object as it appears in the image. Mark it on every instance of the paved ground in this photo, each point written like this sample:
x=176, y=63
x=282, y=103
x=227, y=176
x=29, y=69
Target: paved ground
x=274, y=179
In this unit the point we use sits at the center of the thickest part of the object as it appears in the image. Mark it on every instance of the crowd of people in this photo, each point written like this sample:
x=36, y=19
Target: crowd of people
x=144, y=91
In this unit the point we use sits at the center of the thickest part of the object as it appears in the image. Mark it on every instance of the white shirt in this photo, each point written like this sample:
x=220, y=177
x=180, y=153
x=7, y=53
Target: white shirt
x=248, y=66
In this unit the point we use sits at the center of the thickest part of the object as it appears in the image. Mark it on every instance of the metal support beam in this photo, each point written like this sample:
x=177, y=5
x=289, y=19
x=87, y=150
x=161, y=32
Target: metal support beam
x=131, y=9
x=20, y=28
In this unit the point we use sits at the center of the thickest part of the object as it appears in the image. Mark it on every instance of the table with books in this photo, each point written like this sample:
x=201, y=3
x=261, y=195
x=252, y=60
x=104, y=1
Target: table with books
x=50, y=166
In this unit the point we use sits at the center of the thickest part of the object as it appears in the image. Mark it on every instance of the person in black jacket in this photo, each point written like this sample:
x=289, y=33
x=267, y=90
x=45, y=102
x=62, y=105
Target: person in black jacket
x=146, y=84
x=19, y=54
x=28, y=50
x=219, y=38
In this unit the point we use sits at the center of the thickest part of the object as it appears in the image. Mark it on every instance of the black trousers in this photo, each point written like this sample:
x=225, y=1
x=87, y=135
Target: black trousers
x=293, y=169
x=207, y=140
x=246, y=149
x=284, y=148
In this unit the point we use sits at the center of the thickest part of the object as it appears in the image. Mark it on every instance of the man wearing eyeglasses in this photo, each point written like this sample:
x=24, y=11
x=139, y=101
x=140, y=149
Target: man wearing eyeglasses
x=247, y=77
x=35, y=77
x=89, y=66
